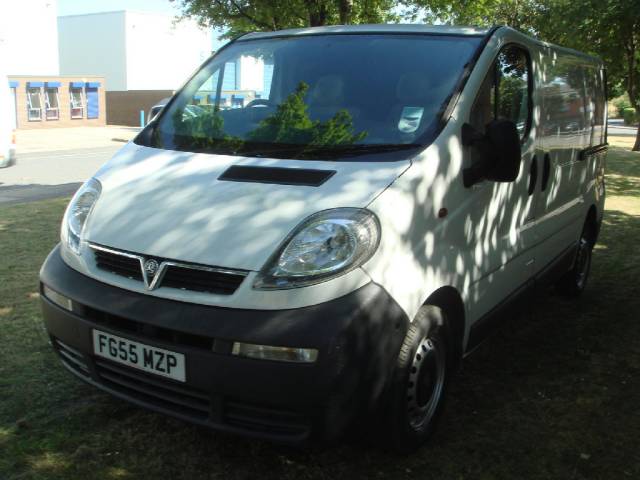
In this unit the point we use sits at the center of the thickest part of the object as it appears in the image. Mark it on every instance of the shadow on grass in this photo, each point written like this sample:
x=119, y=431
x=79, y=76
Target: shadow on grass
x=553, y=395
x=550, y=396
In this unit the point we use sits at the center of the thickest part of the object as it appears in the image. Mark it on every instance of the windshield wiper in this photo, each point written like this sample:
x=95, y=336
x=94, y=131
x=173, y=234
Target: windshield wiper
x=295, y=151
x=361, y=149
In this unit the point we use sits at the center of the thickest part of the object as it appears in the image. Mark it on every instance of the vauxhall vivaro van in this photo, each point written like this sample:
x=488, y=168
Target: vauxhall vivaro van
x=336, y=245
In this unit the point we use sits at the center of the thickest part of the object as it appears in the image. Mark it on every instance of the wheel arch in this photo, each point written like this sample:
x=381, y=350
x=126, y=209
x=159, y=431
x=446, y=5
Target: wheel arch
x=450, y=301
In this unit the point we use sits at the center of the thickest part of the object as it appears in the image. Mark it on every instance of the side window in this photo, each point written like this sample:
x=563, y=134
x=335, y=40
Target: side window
x=504, y=94
x=77, y=102
x=600, y=105
x=34, y=104
x=51, y=103
x=512, y=94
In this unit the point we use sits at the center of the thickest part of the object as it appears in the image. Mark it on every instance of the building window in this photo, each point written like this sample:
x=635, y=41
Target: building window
x=34, y=104
x=52, y=105
x=77, y=102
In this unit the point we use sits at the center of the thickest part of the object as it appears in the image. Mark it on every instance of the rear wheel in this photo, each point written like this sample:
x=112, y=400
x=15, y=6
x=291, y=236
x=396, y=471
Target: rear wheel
x=574, y=282
x=420, y=381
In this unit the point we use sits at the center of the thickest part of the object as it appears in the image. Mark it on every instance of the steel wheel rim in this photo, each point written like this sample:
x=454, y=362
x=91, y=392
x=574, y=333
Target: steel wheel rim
x=426, y=382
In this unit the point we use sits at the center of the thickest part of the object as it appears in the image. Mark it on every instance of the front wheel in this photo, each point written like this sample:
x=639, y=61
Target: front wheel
x=420, y=381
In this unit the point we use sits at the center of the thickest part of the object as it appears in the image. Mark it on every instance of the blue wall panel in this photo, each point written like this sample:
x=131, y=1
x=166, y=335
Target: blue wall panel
x=93, y=109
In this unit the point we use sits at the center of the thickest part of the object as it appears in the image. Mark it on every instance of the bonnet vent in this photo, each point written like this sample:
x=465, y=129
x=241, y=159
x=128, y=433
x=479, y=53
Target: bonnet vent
x=277, y=175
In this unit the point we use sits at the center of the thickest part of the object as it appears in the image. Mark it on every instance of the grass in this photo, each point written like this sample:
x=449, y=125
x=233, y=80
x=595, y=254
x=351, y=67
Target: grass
x=554, y=395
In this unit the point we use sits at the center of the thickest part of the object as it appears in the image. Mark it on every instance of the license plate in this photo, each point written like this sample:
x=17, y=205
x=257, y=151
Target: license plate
x=138, y=355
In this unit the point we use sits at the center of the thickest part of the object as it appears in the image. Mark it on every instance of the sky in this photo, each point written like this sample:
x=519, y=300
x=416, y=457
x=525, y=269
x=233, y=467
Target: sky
x=78, y=7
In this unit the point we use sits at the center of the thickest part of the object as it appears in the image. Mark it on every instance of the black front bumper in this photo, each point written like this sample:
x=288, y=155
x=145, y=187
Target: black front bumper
x=358, y=337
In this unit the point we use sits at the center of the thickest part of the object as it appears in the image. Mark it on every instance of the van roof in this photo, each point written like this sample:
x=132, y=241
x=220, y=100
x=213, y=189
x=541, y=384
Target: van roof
x=403, y=28
x=380, y=28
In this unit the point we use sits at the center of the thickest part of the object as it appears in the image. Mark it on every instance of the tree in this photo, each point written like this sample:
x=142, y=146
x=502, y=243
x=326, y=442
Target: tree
x=609, y=29
x=237, y=17
x=291, y=125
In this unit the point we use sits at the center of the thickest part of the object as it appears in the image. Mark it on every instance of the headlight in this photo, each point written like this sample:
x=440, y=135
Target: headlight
x=325, y=245
x=78, y=212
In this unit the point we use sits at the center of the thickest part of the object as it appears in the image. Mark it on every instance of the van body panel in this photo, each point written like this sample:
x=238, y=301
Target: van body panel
x=172, y=204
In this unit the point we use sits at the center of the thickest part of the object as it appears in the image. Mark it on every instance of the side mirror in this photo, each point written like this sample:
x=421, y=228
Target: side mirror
x=499, y=152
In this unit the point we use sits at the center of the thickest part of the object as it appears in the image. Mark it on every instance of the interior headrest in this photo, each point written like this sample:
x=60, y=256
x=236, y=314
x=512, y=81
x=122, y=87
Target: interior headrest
x=328, y=90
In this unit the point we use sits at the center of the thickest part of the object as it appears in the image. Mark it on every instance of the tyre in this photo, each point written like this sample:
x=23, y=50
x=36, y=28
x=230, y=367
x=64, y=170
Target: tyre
x=420, y=381
x=573, y=283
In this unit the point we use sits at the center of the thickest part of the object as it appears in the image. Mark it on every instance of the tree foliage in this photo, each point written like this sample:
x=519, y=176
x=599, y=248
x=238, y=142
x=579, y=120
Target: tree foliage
x=237, y=17
x=291, y=124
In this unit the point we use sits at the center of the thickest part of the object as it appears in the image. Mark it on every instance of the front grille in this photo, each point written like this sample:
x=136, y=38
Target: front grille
x=264, y=419
x=201, y=280
x=170, y=274
x=119, y=264
x=148, y=331
x=182, y=400
x=71, y=358
x=157, y=392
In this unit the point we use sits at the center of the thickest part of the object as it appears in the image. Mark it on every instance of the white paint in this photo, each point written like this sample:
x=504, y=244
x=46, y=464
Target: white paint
x=29, y=32
x=133, y=50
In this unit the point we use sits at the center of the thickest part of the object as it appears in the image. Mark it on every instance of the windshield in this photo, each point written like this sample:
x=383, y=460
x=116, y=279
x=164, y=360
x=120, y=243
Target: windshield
x=323, y=96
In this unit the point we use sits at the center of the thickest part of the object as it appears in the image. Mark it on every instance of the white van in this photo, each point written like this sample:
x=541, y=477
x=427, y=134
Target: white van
x=7, y=134
x=334, y=248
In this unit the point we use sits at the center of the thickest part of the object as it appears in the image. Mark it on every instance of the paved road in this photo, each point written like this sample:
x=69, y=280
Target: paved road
x=617, y=127
x=42, y=175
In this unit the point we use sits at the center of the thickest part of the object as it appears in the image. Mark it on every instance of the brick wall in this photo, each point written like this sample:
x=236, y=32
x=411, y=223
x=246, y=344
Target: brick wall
x=123, y=108
x=64, y=119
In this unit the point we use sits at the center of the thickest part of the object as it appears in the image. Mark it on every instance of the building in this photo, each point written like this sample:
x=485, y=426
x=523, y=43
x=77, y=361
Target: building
x=29, y=55
x=52, y=101
x=143, y=56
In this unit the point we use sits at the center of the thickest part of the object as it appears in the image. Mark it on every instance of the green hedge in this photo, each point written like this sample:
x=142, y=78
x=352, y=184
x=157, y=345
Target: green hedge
x=630, y=116
x=621, y=105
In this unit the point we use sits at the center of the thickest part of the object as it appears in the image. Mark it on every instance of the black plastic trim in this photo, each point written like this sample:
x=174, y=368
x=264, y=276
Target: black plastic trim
x=546, y=172
x=587, y=152
x=358, y=337
x=277, y=175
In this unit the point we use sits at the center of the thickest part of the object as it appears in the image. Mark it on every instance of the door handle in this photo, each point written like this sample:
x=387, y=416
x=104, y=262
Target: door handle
x=546, y=172
x=533, y=175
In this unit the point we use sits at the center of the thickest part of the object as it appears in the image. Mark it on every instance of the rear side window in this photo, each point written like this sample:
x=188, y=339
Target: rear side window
x=505, y=92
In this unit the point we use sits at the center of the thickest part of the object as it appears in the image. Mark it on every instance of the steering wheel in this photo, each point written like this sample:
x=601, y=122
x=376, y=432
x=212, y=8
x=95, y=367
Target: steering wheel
x=257, y=102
